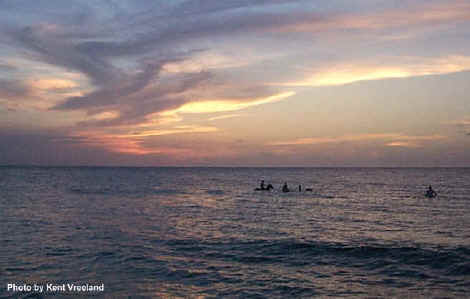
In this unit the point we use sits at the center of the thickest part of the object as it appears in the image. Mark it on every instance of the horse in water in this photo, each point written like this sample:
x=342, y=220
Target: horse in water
x=267, y=188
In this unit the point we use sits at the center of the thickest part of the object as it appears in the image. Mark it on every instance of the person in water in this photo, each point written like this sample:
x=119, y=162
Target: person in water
x=430, y=193
x=285, y=188
x=262, y=187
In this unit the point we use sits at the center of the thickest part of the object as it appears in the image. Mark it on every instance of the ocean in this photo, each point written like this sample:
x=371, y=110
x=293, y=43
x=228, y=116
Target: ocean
x=204, y=232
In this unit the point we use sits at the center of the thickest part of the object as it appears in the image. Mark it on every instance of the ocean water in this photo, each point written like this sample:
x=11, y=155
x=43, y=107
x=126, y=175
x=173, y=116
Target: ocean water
x=205, y=232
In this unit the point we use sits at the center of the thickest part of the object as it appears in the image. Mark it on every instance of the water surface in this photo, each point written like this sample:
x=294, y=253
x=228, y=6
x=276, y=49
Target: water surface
x=188, y=232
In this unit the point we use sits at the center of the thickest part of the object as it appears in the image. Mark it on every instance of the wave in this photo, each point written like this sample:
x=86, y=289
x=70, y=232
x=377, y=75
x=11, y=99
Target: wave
x=382, y=259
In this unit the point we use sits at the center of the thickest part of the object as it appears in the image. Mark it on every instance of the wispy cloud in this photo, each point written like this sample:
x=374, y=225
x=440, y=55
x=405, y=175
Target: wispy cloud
x=406, y=144
x=133, y=142
x=408, y=15
x=224, y=105
x=408, y=67
x=172, y=131
x=391, y=139
x=226, y=116
x=53, y=84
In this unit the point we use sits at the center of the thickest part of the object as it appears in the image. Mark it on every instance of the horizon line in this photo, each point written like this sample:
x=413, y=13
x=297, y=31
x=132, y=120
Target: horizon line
x=210, y=166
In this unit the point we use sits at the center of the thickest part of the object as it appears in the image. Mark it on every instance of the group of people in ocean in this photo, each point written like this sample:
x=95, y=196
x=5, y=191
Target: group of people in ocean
x=430, y=193
x=284, y=188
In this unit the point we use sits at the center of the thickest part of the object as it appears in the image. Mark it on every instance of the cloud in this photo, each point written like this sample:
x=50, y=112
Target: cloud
x=397, y=139
x=134, y=142
x=225, y=105
x=410, y=15
x=39, y=146
x=133, y=104
x=134, y=93
x=142, y=31
x=37, y=94
x=172, y=131
x=65, y=147
x=212, y=60
x=53, y=84
x=148, y=36
x=62, y=52
x=408, y=67
x=405, y=144
x=115, y=90
x=226, y=116
x=11, y=90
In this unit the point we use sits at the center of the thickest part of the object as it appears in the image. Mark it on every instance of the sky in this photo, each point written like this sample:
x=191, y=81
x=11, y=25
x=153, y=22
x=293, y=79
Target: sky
x=235, y=83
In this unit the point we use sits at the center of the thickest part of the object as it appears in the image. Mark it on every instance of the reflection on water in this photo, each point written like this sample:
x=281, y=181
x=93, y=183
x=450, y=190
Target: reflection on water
x=164, y=232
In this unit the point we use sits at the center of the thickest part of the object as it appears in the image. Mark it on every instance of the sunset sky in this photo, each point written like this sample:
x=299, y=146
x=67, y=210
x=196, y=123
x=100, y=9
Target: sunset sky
x=235, y=83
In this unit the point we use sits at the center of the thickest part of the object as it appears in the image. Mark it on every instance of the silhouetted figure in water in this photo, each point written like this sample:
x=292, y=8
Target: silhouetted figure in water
x=285, y=188
x=300, y=188
x=262, y=187
x=430, y=193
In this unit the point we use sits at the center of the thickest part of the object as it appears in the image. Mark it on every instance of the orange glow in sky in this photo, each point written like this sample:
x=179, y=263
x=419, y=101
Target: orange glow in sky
x=236, y=83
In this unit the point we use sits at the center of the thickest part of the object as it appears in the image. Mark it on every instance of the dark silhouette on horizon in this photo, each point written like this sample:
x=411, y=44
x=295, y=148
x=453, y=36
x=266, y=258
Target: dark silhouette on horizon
x=430, y=193
x=262, y=187
x=285, y=188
